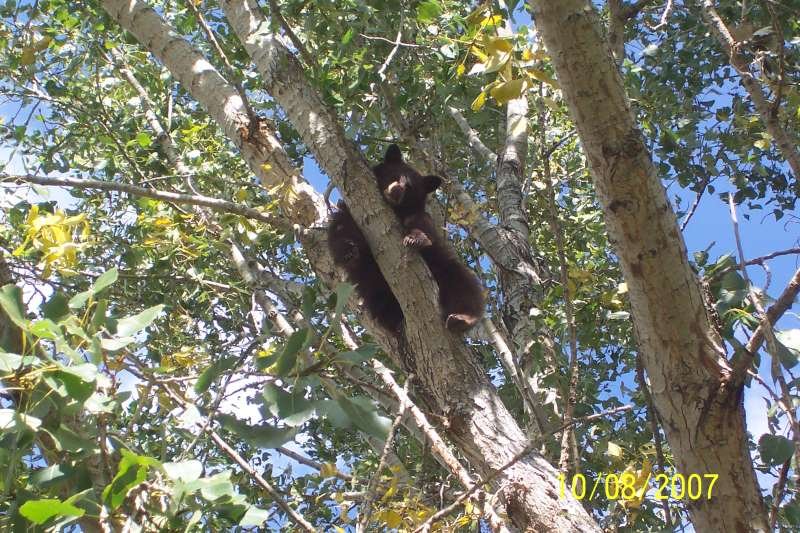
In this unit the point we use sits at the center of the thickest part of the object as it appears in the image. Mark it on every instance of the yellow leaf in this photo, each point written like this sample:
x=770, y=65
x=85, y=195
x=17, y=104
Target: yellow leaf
x=551, y=103
x=614, y=450
x=241, y=194
x=460, y=70
x=498, y=44
x=328, y=469
x=494, y=20
x=28, y=56
x=509, y=90
x=763, y=144
x=527, y=55
x=391, y=518
x=42, y=43
x=479, y=102
x=477, y=52
x=476, y=15
x=542, y=76
x=497, y=61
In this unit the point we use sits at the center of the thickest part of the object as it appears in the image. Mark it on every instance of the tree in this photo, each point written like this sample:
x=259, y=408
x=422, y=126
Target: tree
x=180, y=350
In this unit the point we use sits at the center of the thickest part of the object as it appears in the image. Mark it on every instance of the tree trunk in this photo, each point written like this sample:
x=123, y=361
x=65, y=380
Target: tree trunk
x=682, y=353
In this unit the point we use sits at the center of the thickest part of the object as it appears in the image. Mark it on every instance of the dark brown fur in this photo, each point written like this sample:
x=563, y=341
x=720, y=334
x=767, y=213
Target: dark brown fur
x=460, y=293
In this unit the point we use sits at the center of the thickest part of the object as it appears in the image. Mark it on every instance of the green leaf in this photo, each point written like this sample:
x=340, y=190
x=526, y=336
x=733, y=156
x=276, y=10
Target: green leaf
x=309, y=301
x=99, y=315
x=254, y=517
x=288, y=357
x=132, y=324
x=52, y=476
x=428, y=11
x=56, y=307
x=78, y=301
x=261, y=435
x=11, y=362
x=40, y=511
x=211, y=373
x=144, y=139
x=185, y=471
x=774, y=449
x=363, y=353
x=348, y=36
x=45, y=329
x=788, y=347
x=12, y=421
x=113, y=345
x=364, y=415
x=11, y=302
x=132, y=471
x=792, y=513
x=213, y=488
x=343, y=292
x=104, y=280
x=71, y=385
x=291, y=407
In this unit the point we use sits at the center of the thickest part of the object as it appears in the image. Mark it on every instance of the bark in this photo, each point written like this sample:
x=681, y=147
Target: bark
x=703, y=416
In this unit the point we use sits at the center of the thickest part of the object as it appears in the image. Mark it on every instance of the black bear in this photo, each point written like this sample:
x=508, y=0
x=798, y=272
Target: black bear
x=460, y=293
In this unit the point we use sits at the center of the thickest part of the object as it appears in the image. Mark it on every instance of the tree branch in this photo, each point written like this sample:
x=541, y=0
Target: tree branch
x=786, y=144
x=180, y=198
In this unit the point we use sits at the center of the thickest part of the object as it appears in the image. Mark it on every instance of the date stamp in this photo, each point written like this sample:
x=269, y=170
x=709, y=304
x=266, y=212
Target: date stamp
x=630, y=487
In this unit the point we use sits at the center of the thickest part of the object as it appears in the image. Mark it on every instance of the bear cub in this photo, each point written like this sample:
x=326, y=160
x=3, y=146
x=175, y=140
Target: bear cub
x=460, y=293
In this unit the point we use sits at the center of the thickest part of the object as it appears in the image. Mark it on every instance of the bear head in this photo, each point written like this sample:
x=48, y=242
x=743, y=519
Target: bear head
x=402, y=186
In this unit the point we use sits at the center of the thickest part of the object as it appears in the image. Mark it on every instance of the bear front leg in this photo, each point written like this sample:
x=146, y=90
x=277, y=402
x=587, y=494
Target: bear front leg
x=419, y=228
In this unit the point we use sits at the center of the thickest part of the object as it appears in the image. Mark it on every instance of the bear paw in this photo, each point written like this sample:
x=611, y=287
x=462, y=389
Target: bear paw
x=459, y=322
x=351, y=253
x=416, y=240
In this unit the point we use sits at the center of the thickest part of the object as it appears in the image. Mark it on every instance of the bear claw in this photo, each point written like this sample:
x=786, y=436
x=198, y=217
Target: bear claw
x=459, y=322
x=417, y=240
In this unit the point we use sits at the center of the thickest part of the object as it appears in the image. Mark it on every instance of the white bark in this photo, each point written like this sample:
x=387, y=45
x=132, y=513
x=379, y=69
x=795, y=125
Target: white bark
x=702, y=414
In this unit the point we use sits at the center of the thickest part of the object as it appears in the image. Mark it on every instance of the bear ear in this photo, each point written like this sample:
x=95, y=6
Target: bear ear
x=393, y=154
x=431, y=183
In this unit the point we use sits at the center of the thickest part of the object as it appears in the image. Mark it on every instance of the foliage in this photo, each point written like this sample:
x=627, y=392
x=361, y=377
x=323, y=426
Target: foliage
x=136, y=335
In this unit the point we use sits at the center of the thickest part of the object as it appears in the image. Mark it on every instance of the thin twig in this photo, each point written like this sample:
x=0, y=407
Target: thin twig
x=395, y=42
x=778, y=492
x=394, y=50
x=229, y=70
x=695, y=204
x=769, y=335
x=654, y=429
x=275, y=11
x=276, y=496
x=189, y=199
x=372, y=486
x=664, y=16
